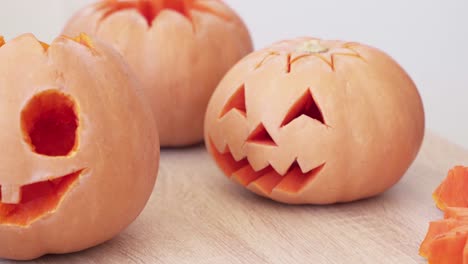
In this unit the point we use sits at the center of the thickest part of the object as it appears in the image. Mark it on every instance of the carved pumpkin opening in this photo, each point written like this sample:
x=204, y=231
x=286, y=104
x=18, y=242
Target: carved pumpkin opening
x=307, y=106
x=236, y=102
x=50, y=123
x=261, y=136
x=37, y=200
x=150, y=9
x=266, y=180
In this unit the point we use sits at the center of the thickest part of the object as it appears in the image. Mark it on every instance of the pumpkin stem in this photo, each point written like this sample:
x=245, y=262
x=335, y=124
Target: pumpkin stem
x=312, y=46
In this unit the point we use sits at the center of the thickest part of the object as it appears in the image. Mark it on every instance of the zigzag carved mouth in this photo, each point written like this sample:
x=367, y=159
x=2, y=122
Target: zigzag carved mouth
x=267, y=180
x=37, y=200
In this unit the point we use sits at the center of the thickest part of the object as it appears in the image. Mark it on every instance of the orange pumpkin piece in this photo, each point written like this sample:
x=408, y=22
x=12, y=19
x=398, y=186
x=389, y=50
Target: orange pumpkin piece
x=179, y=49
x=437, y=229
x=458, y=213
x=80, y=166
x=449, y=248
x=301, y=122
x=452, y=192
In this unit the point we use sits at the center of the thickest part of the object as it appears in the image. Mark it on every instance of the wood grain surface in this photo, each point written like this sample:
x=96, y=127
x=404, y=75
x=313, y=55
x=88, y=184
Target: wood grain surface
x=197, y=216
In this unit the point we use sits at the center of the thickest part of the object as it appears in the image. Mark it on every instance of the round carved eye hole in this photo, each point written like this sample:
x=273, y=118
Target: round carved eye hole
x=49, y=123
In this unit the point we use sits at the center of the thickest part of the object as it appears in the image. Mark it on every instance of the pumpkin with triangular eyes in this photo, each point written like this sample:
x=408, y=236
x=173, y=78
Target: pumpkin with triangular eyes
x=310, y=121
x=80, y=157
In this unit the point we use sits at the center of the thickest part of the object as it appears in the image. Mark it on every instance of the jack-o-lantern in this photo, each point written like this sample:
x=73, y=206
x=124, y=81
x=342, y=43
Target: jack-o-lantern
x=315, y=121
x=80, y=153
x=180, y=50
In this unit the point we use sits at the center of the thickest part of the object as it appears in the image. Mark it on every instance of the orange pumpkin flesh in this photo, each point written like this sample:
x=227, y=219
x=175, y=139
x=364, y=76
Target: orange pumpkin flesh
x=302, y=121
x=459, y=213
x=150, y=9
x=174, y=48
x=446, y=240
x=437, y=229
x=452, y=191
x=449, y=248
x=68, y=182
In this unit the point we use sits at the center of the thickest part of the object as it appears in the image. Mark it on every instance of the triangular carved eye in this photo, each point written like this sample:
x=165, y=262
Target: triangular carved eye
x=236, y=102
x=307, y=106
x=261, y=136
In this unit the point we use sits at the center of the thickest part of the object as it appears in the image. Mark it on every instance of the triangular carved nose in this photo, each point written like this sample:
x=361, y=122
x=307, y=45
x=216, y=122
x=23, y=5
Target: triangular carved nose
x=261, y=136
x=305, y=105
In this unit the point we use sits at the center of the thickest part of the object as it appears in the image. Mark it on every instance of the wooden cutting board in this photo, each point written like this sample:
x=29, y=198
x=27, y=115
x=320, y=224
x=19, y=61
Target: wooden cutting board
x=197, y=216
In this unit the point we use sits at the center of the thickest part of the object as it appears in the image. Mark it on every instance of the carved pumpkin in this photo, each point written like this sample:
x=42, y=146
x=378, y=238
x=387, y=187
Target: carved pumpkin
x=180, y=50
x=81, y=157
x=315, y=121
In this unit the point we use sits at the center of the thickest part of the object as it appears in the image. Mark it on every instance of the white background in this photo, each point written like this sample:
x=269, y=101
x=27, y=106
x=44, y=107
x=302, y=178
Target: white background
x=428, y=37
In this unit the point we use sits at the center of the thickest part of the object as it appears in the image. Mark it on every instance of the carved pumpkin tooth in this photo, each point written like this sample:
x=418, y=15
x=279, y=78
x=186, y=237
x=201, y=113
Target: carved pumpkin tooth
x=247, y=174
x=266, y=183
x=294, y=181
x=11, y=194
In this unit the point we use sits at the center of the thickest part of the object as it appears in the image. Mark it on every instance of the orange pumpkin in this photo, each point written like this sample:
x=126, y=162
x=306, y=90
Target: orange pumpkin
x=315, y=121
x=452, y=191
x=81, y=154
x=180, y=50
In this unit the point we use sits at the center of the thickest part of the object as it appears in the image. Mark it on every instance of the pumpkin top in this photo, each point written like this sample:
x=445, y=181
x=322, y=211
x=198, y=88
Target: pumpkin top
x=150, y=9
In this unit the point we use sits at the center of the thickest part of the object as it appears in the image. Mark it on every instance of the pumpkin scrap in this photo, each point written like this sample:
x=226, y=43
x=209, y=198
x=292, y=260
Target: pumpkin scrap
x=438, y=229
x=446, y=240
x=449, y=248
x=452, y=192
x=458, y=213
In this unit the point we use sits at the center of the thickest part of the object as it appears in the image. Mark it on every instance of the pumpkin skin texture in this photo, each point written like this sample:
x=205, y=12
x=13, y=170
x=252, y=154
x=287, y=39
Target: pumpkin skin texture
x=180, y=50
x=83, y=153
x=310, y=121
